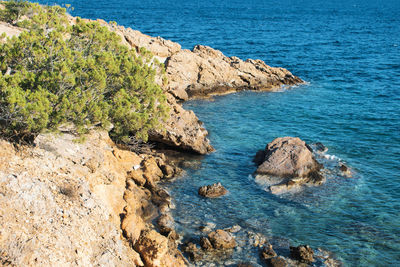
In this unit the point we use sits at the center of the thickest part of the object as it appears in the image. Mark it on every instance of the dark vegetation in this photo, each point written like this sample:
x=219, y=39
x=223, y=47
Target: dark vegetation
x=59, y=74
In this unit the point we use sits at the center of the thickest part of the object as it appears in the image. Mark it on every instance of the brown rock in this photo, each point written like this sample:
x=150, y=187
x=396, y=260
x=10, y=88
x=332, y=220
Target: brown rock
x=288, y=162
x=166, y=223
x=205, y=71
x=205, y=243
x=221, y=239
x=277, y=262
x=267, y=252
x=212, y=191
x=183, y=131
x=193, y=251
x=345, y=171
x=302, y=253
x=156, y=252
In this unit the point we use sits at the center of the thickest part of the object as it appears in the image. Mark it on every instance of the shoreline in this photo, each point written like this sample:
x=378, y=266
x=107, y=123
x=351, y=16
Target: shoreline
x=224, y=76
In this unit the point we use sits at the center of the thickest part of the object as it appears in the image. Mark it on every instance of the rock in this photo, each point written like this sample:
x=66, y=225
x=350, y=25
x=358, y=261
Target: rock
x=166, y=223
x=205, y=243
x=155, y=250
x=212, y=191
x=182, y=131
x=234, y=229
x=302, y=253
x=345, y=171
x=277, y=262
x=193, y=251
x=267, y=252
x=288, y=162
x=9, y=30
x=245, y=264
x=221, y=239
x=320, y=147
x=205, y=71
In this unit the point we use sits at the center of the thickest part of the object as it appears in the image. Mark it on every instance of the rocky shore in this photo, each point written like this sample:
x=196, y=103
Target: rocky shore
x=66, y=203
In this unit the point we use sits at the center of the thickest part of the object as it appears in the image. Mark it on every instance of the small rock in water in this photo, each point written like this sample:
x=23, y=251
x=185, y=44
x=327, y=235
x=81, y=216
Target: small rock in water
x=221, y=239
x=346, y=172
x=302, y=253
x=205, y=243
x=320, y=147
x=245, y=264
x=277, y=262
x=268, y=252
x=234, y=229
x=212, y=191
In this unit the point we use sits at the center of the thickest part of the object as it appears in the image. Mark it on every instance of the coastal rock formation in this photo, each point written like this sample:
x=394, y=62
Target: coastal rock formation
x=302, y=253
x=65, y=203
x=205, y=71
x=183, y=131
x=155, y=250
x=212, y=191
x=286, y=163
x=221, y=239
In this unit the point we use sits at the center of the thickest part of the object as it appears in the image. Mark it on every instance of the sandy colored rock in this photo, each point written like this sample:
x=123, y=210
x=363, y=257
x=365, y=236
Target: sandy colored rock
x=212, y=191
x=183, y=131
x=9, y=30
x=205, y=71
x=156, y=252
x=286, y=164
x=221, y=239
x=302, y=253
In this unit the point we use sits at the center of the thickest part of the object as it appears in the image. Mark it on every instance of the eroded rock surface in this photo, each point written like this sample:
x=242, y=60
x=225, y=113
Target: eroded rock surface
x=221, y=239
x=205, y=71
x=67, y=203
x=287, y=163
x=213, y=191
x=302, y=253
x=183, y=131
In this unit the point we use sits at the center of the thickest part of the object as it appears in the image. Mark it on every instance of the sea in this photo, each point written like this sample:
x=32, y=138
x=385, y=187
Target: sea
x=348, y=52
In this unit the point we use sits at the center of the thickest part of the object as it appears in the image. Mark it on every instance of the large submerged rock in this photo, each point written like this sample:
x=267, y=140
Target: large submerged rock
x=287, y=163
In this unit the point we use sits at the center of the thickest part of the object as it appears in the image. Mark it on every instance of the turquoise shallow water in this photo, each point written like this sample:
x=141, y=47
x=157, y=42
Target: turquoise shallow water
x=349, y=52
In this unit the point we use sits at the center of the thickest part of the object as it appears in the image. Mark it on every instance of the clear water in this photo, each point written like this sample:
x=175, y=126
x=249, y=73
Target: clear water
x=349, y=52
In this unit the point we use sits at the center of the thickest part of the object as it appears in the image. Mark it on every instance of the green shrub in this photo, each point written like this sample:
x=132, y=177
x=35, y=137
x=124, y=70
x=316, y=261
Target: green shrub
x=55, y=73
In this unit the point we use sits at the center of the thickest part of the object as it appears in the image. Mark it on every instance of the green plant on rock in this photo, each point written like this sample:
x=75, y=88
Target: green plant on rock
x=55, y=73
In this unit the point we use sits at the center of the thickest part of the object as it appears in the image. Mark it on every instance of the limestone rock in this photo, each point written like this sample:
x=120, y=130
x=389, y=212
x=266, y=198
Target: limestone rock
x=287, y=163
x=302, y=253
x=221, y=239
x=205, y=243
x=212, y=191
x=156, y=252
x=166, y=223
x=9, y=30
x=183, y=131
x=277, y=262
x=205, y=71
x=268, y=252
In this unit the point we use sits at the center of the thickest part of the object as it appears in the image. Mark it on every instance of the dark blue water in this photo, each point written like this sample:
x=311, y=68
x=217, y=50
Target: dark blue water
x=349, y=52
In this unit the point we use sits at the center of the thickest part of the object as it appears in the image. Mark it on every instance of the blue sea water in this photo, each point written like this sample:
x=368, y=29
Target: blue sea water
x=349, y=53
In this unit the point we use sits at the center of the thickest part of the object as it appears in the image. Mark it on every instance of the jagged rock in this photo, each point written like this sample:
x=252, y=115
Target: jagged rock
x=267, y=252
x=205, y=243
x=302, y=253
x=345, y=171
x=320, y=147
x=287, y=163
x=156, y=251
x=183, y=131
x=277, y=262
x=245, y=264
x=165, y=223
x=205, y=71
x=212, y=191
x=193, y=251
x=221, y=239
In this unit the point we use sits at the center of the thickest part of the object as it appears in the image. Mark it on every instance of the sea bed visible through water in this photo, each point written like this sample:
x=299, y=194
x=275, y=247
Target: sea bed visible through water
x=349, y=53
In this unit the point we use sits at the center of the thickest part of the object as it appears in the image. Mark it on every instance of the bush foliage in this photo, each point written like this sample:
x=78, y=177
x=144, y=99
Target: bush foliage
x=57, y=72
